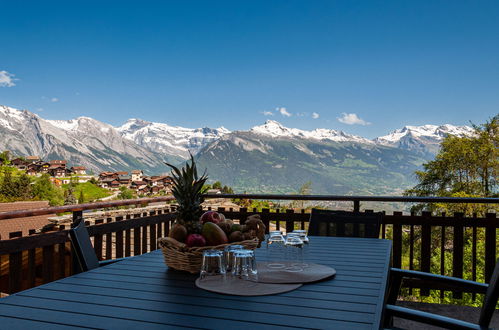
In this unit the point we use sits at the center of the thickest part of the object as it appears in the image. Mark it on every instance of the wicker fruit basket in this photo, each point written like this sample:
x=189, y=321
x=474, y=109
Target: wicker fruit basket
x=181, y=257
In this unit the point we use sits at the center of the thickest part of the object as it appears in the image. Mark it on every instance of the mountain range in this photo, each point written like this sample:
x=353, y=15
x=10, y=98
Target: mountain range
x=266, y=158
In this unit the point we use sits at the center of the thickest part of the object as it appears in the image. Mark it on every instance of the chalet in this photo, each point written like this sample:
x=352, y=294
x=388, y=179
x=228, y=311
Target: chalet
x=56, y=182
x=58, y=162
x=81, y=170
x=138, y=185
x=154, y=181
x=32, y=169
x=57, y=171
x=107, y=175
x=32, y=159
x=121, y=173
x=106, y=182
x=137, y=175
x=114, y=184
x=124, y=179
x=155, y=189
x=19, y=163
x=43, y=167
x=144, y=190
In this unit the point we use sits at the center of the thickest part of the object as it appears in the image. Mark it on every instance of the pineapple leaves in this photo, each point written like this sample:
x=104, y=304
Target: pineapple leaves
x=188, y=191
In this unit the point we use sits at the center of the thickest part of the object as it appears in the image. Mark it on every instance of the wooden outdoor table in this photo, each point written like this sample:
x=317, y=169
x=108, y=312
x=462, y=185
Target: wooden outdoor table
x=142, y=293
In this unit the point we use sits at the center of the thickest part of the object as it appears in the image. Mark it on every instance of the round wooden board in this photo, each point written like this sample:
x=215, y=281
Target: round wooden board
x=311, y=273
x=237, y=287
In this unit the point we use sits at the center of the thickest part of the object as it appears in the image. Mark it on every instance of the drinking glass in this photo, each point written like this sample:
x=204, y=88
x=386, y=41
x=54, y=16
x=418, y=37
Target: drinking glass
x=275, y=233
x=229, y=255
x=303, y=236
x=244, y=265
x=212, y=264
x=276, y=252
x=294, y=253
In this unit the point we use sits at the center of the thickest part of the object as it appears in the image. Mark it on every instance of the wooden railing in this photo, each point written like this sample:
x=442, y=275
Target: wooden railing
x=422, y=242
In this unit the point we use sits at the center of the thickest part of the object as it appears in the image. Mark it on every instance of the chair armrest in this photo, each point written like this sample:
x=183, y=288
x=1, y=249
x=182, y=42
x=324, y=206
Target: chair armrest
x=429, y=318
x=451, y=282
x=110, y=261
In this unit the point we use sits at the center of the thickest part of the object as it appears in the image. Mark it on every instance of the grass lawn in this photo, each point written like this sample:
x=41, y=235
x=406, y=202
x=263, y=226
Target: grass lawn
x=91, y=192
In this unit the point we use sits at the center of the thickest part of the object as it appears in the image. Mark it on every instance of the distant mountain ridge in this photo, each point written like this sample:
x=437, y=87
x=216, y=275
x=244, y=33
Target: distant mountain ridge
x=424, y=140
x=172, y=140
x=268, y=157
x=82, y=141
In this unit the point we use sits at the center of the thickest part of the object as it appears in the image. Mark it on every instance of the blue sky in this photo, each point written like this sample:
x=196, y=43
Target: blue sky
x=365, y=67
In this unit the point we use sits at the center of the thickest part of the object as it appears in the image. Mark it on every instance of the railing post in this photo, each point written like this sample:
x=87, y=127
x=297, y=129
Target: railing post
x=356, y=205
x=426, y=247
x=458, y=251
x=397, y=241
x=290, y=225
x=15, y=266
x=490, y=247
x=77, y=217
x=266, y=220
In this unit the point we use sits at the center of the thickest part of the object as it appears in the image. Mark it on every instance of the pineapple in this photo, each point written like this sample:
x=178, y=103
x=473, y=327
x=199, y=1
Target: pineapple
x=188, y=191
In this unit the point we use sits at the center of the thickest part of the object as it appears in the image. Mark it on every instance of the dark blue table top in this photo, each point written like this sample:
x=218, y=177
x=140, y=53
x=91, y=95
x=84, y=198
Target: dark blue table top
x=141, y=293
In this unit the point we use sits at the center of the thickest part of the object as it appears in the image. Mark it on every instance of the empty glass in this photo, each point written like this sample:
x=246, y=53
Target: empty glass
x=244, y=265
x=276, y=252
x=303, y=235
x=275, y=233
x=213, y=264
x=229, y=255
x=294, y=253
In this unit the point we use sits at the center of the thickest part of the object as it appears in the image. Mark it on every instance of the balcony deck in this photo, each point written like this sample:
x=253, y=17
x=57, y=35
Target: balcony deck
x=428, y=242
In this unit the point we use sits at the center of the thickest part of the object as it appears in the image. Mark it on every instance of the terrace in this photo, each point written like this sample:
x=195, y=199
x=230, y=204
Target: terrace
x=447, y=244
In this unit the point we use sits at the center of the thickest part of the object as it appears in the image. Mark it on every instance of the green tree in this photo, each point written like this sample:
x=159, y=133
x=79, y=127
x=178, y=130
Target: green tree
x=43, y=189
x=227, y=190
x=217, y=185
x=81, y=197
x=466, y=166
x=69, y=197
x=8, y=187
x=23, y=187
x=125, y=193
x=5, y=157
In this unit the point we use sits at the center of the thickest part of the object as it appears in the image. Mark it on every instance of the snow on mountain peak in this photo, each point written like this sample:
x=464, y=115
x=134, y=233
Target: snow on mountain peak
x=163, y=138
x=275, y=129
x=432, y=132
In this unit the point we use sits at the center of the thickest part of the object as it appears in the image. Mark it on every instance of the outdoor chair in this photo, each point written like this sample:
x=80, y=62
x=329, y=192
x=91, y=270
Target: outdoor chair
x=84, y=251
x=344, y=224
x=490, y=290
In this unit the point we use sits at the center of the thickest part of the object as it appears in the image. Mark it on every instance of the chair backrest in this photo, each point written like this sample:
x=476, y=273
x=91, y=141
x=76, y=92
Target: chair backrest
x=344, y=224
x=490, y=301
x=83, y=248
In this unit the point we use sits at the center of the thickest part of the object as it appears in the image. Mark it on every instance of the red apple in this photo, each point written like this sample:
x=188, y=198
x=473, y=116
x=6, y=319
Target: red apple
x=195, y=240
x=210, y=216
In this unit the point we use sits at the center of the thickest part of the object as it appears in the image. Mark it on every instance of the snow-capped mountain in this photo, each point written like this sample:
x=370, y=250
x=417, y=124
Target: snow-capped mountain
x=424, y=140
x=83, y=141
x=234, y=157
x=171, y=140
x=273, y=128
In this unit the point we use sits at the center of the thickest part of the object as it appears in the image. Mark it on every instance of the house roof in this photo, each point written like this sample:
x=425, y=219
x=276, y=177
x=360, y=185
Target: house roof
x=137, y=172
x=57, y=161
x=139, y=183
x=78, y=168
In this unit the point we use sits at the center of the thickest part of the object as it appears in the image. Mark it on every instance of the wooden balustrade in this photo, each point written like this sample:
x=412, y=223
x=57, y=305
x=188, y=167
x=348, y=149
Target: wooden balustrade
x=32, y=260
x=446, y=244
